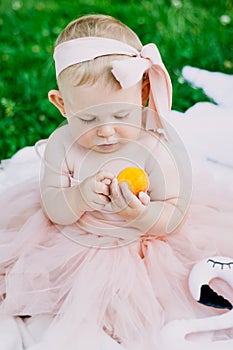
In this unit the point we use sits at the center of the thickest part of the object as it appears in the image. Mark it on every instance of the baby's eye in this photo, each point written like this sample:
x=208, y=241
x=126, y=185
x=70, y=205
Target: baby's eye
x=121, y=116
x=86, y=121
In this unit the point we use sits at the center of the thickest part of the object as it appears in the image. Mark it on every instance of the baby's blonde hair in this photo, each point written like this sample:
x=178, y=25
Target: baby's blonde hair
x=88, y=73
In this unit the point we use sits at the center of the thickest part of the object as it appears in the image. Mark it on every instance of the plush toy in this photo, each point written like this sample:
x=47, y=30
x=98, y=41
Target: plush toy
x=174, y=334
x=136, y=179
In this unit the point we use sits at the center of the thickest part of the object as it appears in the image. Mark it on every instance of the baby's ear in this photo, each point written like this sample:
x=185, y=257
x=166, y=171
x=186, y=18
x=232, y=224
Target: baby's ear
x=145, y=89
x=56, y=99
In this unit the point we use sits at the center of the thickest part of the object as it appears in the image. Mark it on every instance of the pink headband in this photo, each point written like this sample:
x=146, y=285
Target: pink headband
x=128, y=72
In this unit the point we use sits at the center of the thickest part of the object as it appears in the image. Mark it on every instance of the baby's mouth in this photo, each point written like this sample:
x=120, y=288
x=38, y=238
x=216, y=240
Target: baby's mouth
x=107, y=146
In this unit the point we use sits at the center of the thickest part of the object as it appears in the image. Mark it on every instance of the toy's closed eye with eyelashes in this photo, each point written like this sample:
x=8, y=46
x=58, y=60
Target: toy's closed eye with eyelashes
x=222, y=264
x=203, y=273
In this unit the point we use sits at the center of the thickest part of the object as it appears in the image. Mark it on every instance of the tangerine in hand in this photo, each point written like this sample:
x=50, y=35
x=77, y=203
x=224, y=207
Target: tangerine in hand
x=136, y=178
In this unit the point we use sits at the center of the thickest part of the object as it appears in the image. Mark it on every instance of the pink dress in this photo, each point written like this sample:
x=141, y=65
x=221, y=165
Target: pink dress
x=131, y=291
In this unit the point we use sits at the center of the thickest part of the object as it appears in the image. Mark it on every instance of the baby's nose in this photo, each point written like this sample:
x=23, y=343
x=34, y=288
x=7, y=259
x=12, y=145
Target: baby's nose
x=105, y=130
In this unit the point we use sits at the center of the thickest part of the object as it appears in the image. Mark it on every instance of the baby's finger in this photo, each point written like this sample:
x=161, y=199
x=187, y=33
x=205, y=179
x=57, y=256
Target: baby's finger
x=103, y=175
x=102, y=188
x=116, y=195
x=102, y=199
x=131, y=200
x=99, y=202
x=144, y=198
x=114, y=190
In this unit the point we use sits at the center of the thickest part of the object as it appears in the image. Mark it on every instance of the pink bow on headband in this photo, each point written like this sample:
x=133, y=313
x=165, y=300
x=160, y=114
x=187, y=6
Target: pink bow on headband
x=128, y=71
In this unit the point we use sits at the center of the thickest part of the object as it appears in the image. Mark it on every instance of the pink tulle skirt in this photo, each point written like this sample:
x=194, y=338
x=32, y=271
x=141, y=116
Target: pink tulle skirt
x=128, y=292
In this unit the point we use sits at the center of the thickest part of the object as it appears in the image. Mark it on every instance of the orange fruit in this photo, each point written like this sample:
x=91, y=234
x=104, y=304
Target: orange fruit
x=136, y=178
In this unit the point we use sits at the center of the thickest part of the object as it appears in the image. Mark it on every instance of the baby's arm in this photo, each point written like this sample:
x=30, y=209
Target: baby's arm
x=170, y=177
x=62, y=203
x=170, y=189
x=160, y=218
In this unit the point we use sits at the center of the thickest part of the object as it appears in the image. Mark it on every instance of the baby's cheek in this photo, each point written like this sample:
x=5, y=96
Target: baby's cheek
x=130, y=132
x=85, y=138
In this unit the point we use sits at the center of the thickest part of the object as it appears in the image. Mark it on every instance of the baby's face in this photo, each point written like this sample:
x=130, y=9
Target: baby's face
x=103, y=119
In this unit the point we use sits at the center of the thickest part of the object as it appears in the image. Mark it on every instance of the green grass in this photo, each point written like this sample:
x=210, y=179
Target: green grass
x=187, y=33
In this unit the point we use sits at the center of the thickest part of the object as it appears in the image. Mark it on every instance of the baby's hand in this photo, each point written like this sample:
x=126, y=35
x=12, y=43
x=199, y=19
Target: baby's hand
x=125, y=203
x=95, y=191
